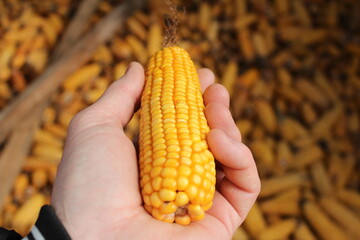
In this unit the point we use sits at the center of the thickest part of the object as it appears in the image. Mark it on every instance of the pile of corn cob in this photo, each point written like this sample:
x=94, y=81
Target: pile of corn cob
x=292, y=69
x=28, y=33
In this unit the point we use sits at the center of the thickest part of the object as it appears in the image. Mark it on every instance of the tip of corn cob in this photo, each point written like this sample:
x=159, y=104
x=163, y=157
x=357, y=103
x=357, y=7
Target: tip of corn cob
x=177, y=170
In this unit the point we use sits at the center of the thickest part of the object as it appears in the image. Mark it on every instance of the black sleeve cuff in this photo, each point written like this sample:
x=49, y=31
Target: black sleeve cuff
x=9, y=235
x=48, y=226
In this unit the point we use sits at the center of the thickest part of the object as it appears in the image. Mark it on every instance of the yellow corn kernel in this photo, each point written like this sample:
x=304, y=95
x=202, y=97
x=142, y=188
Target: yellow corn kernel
x=207, y=206
x=147, y=200
x=155, y=212
x=167, y=195
x=156, y=183
x=148, y=208
x=181, y=199
x=169, y=218
x=200, y=198
x=195, y=210
x=182, y=183
x=177, y=170
x=167, y=208
x=155, y=200
x=183, y=220
x=155, y=172
x=148, y=188
x=171, y=163
x=168, y=172
x=196, y=179
x=184, y=170
x=169, y=183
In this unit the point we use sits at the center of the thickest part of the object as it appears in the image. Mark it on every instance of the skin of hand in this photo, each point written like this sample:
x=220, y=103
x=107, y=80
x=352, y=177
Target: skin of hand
x=96, y=191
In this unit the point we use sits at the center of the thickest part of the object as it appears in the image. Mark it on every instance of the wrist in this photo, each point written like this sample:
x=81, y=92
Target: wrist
x=49, y=226
x=77, y=225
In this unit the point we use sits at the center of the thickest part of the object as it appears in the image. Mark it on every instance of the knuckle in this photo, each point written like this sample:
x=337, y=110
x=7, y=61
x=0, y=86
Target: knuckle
x=257, y=185
x=247, y=152
x=83, y=119
x=78, y=118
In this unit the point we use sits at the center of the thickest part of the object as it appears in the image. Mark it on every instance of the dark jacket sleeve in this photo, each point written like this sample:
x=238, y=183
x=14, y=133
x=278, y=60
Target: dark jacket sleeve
x=47, y=226
x=9, y=235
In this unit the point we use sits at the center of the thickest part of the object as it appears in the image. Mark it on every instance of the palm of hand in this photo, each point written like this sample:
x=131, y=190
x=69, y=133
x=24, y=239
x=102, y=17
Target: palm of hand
x=96, y=193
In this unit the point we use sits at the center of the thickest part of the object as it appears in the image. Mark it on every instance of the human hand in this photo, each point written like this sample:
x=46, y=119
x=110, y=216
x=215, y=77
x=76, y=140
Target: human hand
x=96, y=192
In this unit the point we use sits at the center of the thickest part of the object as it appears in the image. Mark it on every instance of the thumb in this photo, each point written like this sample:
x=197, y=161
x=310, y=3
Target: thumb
x=122, y=96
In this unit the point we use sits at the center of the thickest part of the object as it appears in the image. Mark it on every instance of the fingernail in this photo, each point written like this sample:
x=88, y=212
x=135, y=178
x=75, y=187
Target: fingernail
x=129, y=67
x=126, y=71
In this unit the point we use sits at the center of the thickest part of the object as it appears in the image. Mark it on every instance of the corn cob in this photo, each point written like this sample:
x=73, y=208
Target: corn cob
x=177, y=170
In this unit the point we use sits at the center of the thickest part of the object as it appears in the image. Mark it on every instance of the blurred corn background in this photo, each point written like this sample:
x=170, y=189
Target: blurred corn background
x=292, y=68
